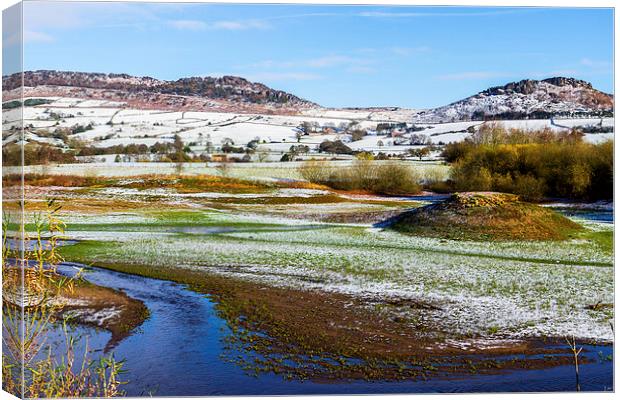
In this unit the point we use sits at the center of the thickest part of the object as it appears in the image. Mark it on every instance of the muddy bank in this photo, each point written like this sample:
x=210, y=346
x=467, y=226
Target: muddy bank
x=75, y=300
x=104, y=308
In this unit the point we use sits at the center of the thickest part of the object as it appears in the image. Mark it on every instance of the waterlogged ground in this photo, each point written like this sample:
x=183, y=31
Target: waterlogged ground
x=186, y=337
x=456, y=297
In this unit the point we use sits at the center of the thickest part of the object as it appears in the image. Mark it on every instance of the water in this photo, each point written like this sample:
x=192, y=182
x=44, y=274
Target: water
x=604, y=216
x=177, y=352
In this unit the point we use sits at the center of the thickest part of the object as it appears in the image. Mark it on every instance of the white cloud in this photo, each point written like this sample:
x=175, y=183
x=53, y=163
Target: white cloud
x=385, y=14
x=333, y=60
x=366, y=50
x=29, y=37
x=33, y=36
x=595, y=63
x=358, y=69
x=240, y=25
x=568, y=72
x=196, y=25
x=188, y=24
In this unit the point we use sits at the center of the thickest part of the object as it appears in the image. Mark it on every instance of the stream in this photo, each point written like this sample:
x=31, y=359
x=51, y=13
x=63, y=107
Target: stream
x=179, y=351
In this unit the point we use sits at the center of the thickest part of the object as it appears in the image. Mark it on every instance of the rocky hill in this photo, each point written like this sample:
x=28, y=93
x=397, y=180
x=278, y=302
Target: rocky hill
x=196, y=93
x=528, y=98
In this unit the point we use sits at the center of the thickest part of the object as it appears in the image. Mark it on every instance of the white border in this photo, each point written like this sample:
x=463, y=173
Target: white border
x=506, y=3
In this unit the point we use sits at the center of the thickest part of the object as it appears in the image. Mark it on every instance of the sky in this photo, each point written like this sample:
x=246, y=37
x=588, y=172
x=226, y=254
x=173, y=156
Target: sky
x=336, y=56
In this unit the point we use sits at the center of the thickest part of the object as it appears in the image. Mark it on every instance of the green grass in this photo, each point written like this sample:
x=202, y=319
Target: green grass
x=603, y=239
x=532, y=274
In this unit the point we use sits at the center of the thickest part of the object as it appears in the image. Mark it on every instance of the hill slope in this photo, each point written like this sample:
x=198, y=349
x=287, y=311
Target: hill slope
x=194, y=93
x=528, y=98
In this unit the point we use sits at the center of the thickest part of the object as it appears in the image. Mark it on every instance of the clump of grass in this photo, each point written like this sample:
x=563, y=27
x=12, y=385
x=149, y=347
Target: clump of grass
x=486, y=216
x=55, y=180
x=364, y=175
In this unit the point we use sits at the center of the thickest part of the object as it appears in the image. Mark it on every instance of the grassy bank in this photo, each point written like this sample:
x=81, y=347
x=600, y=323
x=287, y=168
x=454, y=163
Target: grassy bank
x=487, y=216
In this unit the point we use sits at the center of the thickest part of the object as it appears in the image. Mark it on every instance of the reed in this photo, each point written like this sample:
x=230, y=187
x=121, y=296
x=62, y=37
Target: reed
x=32, y=301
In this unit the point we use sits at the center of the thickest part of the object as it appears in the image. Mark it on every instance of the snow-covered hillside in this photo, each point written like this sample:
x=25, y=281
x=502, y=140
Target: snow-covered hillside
x=526, y=99
x=109, y=124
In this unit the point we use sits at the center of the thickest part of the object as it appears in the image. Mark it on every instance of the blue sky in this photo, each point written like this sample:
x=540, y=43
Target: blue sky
x=334, y=55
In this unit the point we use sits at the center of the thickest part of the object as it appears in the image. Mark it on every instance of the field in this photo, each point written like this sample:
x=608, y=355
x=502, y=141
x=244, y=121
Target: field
x=317, y=239
x=312, y=282
x=109, y=124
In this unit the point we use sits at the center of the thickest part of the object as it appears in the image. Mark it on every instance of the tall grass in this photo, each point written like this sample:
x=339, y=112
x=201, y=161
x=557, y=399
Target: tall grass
x=32, y=301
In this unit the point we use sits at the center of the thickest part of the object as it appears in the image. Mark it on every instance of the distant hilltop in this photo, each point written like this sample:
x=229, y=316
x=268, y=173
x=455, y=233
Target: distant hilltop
x=225, y=92
x=525, y=99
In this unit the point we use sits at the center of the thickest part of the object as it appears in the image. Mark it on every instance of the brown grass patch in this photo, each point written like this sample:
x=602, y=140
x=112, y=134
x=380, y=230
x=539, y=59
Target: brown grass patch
x=486, y=216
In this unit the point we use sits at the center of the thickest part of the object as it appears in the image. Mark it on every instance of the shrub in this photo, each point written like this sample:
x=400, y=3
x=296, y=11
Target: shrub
x=529, y=187
x=535, y=165
x=336, y=147
x=366, y=175
x=395, y=179
x=434, y=175
x=35, y=154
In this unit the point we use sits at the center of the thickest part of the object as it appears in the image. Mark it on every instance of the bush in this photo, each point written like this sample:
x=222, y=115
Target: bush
x=529, y=187
x=35, y=154
x=539, y=165
x=395, y=179
x=366, y=175
x=335, y=147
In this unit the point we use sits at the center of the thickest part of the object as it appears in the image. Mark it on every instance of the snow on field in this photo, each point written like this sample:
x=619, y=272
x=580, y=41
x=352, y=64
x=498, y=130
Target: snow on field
x=275, y=132
x=144, y=116
x=41, y=124
x=519, y=289
x=128, y=140
x=255, y=170
x=91, y=112
x=558, y=124
x=598, y=137
x=31, y=137
x=99, y=103
x=339, y=114
x=11, y=116
x=448, y=127
x=66, y=102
